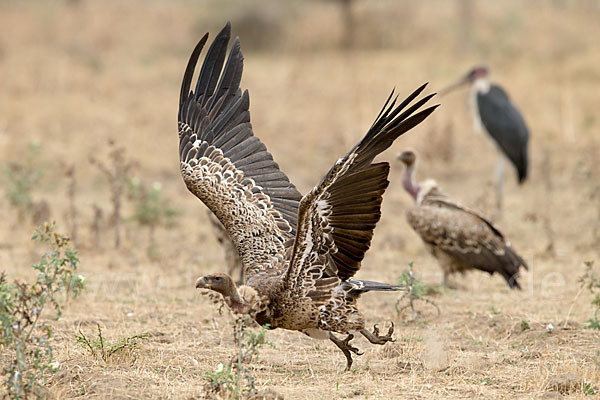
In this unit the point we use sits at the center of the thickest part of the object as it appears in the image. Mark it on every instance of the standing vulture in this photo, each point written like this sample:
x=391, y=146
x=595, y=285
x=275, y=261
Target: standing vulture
x=299, y=252
x=460, y=238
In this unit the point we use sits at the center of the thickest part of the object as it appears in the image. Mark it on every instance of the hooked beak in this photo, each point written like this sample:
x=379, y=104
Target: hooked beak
x=462, y=81
x=202, y=283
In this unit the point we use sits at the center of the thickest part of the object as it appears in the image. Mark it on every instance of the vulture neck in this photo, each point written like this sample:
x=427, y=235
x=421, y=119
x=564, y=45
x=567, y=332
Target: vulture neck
x=408, y=180
x=235, y=301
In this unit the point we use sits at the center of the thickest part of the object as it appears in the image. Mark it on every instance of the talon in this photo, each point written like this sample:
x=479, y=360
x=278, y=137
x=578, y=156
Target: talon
x=349, y=347
x=375, y=338
x=346, y=348
x=348, y=338
x=390, y=331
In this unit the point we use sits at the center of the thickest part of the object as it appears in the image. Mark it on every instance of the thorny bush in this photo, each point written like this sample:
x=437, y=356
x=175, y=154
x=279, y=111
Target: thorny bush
x=25, y=335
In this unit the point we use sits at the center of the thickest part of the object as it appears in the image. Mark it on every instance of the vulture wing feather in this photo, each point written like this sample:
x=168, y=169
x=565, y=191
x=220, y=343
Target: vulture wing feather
x=332, y=238
x=225, y=165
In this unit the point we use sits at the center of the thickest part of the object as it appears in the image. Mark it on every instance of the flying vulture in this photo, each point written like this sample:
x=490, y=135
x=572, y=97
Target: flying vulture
x=460, y=238
x=299, y=252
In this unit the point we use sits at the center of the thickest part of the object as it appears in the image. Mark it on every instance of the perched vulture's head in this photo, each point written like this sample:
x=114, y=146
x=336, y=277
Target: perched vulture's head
x=408, y=158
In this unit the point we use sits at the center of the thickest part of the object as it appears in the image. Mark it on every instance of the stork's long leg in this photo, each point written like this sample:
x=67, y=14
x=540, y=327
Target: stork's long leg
x=375, y=338
x=346, y=348
x=499, y=180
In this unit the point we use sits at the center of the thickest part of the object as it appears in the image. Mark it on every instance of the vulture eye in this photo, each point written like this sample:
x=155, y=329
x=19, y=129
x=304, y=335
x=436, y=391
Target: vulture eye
x=217, y=279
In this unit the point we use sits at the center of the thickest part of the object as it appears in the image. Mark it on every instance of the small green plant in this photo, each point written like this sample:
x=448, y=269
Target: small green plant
x=25, y=333
x=20, y=178
x=416, y=292
x=524, y=325
x=487, y=381
x=151, y=210
x=588, y=389
x=103, y=350
x=234, y=376
x=493, y=310
x=593, y=322
x=591, y=280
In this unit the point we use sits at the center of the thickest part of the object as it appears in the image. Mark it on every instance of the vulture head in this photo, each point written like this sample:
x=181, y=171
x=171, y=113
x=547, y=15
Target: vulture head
x=409, y=159
x=418, y=191
x=223, y=284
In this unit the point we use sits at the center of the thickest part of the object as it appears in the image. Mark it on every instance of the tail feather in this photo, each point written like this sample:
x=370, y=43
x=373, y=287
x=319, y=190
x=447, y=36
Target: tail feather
x=522, y=168
x=360, y=286
x=511, y=280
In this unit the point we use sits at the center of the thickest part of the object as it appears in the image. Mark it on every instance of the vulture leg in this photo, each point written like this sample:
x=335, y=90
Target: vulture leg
x=450, y=285
x=346, y=348
x=445, y=279
x=375, y=338
x=499, y=179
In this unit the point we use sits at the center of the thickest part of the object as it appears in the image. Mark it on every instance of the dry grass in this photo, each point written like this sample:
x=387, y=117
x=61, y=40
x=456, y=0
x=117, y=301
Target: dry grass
x=77, y=74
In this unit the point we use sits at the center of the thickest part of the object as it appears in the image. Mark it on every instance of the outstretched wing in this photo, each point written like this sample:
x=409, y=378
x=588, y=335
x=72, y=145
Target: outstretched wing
x=466, y=236
x=337, y=217
x=225, y=165
x=507, y=127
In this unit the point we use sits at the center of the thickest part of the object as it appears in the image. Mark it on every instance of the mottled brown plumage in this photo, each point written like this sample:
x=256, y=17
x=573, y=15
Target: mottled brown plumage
x=460, y=238
x=299, y=253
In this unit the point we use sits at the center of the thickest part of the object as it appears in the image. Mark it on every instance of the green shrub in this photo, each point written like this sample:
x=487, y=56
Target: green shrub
x=25, y=333
x=233, y=377
x=151, y=210
x=19, y=180
x=591, y=281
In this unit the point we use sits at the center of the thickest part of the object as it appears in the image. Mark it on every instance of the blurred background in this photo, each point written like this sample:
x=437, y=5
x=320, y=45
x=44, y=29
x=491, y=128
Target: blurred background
x=79, y=74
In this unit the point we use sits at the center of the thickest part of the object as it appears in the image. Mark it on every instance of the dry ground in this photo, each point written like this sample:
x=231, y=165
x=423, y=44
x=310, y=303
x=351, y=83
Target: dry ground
x=74, y=74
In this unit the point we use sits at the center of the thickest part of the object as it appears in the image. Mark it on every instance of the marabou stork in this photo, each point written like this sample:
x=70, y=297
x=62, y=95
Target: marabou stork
x=496, y=115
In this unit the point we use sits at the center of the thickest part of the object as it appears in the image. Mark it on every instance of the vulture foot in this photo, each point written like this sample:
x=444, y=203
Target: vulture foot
x=375, y=337
x=446, y=283
x=346, y=348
